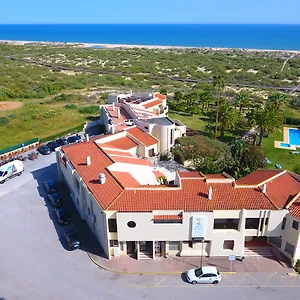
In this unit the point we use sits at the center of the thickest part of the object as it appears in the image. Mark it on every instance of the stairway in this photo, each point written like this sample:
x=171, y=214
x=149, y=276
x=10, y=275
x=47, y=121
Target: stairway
x=145, y=255
x=259, y=251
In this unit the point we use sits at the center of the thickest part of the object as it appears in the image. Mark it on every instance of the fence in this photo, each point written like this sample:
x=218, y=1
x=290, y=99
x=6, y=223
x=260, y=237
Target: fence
x=19, y=146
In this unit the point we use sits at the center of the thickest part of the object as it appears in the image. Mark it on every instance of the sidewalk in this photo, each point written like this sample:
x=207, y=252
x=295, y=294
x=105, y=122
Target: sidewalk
x=178, y=265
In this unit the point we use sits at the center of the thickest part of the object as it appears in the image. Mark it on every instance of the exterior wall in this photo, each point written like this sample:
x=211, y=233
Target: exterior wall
x=291, y=236
x=86, y=205
x=104, y=116
x=163, y=134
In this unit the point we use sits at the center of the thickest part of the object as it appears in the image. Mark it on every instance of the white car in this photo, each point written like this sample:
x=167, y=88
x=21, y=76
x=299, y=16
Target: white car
x=204, y=275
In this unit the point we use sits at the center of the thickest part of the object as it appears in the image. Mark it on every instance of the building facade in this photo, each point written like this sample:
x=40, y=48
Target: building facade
x=133, y=212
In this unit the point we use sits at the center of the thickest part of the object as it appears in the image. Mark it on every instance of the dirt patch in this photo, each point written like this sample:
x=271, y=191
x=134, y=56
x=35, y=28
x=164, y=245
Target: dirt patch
x=5, y=105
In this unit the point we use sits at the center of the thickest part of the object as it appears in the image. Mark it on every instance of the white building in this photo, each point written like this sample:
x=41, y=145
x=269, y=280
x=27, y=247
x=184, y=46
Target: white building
x=146, y=111
x=130, y=212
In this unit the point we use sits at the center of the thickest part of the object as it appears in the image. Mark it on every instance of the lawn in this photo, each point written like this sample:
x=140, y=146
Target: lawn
x=279, y=156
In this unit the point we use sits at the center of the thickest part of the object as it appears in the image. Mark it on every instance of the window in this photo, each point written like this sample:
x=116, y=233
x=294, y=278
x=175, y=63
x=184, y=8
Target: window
x=262, y=223
x=77, y=184
x=64, y=160
x=112, y=225
x=174, y=245
x=167, y=221
x=171, y=136
x=252, y=223
x=283, y=223
x=226, y=224
x=190, y=244
x=113, y=243
x=131, y=224
x=289, y=248
x=228, y=245
x=295, y=225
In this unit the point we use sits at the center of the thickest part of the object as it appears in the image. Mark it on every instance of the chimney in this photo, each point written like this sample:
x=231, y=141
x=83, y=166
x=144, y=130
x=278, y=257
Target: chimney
x=102, y=178
x=210, y=193
x=113, y=106
x=88, y=160
x=87, y=137
x=119, y=113
x=264, y=188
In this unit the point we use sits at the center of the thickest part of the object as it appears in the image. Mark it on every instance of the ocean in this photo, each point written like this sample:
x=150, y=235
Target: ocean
x=276, y=37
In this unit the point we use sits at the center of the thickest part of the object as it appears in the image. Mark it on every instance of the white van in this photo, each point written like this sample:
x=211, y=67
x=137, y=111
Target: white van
x=11, y=169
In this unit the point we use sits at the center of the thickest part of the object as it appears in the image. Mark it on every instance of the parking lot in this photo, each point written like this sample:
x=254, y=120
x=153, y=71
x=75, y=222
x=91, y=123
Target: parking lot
x=35, y=263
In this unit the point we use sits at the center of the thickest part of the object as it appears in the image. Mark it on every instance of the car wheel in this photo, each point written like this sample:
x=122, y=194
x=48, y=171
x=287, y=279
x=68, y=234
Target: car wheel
x=215, y=282
x=194, y=282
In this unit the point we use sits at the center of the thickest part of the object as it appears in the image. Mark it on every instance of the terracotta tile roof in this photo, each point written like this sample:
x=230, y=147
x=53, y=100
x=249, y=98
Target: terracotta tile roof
x=214, y=176
x=160, y=96
x=152, y=103
x=295, y=209
x=121, y=143
x=167, y=217
x=126, y=179
x=192, y=197
x=131, y=160
x=257, y=177
x=157, y=173
x=142, y=136
x=116, y=152
x=104, y=193
x=186, y=174
x=282, y=189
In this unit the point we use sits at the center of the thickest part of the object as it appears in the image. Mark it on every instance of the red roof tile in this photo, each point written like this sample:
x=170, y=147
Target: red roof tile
x=215, y=176
x=121, y=143
x=186, y=174
x=192, y=197
x=167, y=217
x=116, y=152
x=131, y=160
x=152, y=103
x=126, y=179
x=142, y=136
x=282, y=189
x=295, y=209
x=257, y=177
x=103, y=193
x=160, y=96
x=157, y=173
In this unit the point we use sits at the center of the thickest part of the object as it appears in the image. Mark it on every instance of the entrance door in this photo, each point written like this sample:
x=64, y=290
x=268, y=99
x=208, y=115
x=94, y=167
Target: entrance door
x=130, y=247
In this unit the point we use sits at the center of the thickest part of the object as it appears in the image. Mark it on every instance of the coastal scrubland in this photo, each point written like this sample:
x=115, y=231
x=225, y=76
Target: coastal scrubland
x=61, y=87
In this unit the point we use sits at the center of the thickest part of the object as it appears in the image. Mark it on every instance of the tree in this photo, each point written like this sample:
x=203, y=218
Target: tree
x=277, y=99
x=219, y=85
x=242, y=100
x=207, y=155
x=191, y=104
x=205, y=98
x=163, y=91
x=228, y=117
x=267, y=120
x=178, y=96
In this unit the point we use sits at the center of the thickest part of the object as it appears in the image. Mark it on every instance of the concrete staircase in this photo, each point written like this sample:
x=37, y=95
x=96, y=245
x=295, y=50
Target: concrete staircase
x=259, y=251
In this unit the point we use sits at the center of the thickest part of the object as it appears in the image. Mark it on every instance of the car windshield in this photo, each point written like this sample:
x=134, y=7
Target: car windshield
x=1, y=173
x=63, y=214
x=198, y=272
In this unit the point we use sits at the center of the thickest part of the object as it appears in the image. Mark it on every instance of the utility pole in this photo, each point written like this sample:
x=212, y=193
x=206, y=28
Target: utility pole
x=201, y=260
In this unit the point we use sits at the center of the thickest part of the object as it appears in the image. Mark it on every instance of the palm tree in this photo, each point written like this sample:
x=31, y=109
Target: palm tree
x=219, y=85
x=267, y=120
x=242, y=100
x=228, y=117
x=205, y=98
x=277, y=99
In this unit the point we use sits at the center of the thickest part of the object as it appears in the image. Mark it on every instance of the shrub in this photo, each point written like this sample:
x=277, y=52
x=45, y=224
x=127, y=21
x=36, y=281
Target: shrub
x=292, y=121
x=179, y=158
x=91, y=109
x=70, y=106
x=297, y=266
x=12, y=116
x=59, y=98
x=4, y=121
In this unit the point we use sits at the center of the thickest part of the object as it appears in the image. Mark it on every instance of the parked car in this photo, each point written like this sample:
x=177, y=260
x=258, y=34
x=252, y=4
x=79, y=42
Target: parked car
x=72, y=239
x=55, y=199
x=50, y=186
x=204, y=275
x=73, y=139
x=62, y=141
x=53, y=145
x=62, y=216
x=44, y=149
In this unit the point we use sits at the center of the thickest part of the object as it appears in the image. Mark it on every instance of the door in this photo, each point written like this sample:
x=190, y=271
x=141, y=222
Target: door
x=205, y=278
x=151, y=152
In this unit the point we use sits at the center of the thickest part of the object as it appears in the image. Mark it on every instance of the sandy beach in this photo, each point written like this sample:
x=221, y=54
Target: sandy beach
x=111, y=46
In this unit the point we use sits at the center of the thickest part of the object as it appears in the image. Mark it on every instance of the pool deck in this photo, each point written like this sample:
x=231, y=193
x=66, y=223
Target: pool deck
x=285, y=140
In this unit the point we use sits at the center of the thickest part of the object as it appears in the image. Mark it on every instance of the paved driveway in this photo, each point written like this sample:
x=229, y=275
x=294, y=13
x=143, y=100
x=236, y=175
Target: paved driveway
x=35, y=265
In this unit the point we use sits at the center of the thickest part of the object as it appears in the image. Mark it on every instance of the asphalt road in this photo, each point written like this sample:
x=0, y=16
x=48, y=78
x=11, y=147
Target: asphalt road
x=35, y=265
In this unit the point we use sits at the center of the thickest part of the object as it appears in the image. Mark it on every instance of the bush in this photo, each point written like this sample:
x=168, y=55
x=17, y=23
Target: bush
x=12, y=116
x=179, y=158
x=292, y=121
x=297, y=171
x=297, y=266
x=70, y=106
x=4, y=121
x=59, y=98
x=91, y=109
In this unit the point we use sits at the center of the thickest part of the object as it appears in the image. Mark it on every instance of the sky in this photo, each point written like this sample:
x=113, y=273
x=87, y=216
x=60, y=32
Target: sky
x=153, y=11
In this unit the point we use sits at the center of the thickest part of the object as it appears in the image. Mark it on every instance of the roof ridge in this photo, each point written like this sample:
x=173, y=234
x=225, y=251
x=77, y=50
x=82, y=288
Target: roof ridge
x=295, y=198
x=271, y=178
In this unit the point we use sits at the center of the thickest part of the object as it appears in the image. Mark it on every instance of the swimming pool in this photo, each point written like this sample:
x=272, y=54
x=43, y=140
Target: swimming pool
x=294, y=137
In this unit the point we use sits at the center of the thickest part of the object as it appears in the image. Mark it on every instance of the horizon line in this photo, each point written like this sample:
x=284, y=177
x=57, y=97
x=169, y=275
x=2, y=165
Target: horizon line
x=149, y=23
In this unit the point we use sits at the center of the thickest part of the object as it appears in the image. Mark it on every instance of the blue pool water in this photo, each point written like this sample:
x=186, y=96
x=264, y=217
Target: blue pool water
x=285, y=145
x=294, y=137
